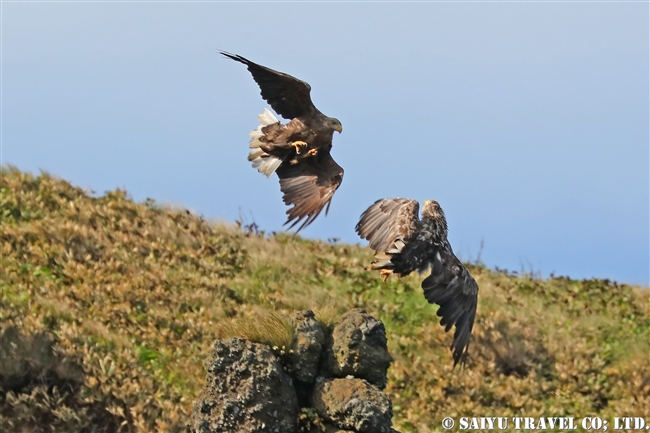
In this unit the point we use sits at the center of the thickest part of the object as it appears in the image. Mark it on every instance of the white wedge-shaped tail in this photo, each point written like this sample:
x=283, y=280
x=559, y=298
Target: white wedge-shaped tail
x=262, y=161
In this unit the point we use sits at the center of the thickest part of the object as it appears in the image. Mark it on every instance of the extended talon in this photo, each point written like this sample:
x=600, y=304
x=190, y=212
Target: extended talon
x=298, y=144
x=385, y=273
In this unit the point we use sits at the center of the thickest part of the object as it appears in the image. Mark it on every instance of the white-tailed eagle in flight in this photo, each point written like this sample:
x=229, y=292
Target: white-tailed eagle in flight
x=404, y=243
x=298, y=151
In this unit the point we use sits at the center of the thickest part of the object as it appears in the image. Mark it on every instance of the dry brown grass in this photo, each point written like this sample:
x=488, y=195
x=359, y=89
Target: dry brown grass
x=138, y=293
x=262, y=326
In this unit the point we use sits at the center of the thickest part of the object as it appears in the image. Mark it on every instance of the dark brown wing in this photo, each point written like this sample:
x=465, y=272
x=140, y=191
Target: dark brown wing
x=288, y=96
x=388, y=220
x=452, y=287
x=309, y=185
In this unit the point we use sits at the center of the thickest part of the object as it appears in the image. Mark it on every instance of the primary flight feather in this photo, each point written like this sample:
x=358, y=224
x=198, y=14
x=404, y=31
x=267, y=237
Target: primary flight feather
x=298, y=151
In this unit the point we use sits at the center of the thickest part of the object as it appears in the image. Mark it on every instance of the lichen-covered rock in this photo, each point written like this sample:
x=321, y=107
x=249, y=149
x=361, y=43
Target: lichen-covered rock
x=353, y=404
x=304, y=356
x=359, y=348
x=310, y=422
x=246, y=391
x=327, y=428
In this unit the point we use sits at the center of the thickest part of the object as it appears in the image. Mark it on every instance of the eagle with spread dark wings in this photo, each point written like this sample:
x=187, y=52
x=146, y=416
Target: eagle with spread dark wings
x=299, y=151
x=405, y=243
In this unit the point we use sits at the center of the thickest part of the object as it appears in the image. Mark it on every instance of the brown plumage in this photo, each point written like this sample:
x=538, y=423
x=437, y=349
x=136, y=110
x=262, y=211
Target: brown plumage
x=405, y=243
x=299, y=151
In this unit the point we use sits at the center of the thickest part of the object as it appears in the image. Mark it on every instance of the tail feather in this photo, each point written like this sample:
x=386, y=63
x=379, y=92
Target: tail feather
x=267, y=118
x=265, y=163
x=262, y=161
x=382, y=261
x=381, y=264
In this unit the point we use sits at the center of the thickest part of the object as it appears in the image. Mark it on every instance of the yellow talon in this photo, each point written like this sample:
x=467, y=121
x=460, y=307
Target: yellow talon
x=298, y=144
x=312, y=152
x=385, y=273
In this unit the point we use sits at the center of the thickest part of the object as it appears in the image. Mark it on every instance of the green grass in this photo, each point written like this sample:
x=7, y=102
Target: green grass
x=139, y=292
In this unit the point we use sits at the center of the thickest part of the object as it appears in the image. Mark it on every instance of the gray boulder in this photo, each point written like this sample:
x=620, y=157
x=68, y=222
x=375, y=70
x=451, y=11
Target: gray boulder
x=359, y=348
x=246, y=391
x=353, y=404
x=304, y=356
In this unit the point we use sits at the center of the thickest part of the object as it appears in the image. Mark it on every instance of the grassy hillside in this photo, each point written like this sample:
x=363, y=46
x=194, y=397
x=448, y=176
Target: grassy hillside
x=136, y=293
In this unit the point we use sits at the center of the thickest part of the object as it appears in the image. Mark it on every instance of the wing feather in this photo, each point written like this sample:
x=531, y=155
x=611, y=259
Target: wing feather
x=289, y=96
x=387, y=221
x=308, y=186
x=452, y=287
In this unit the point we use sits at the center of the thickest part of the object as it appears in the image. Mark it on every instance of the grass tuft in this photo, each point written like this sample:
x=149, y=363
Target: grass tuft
x=261, y=326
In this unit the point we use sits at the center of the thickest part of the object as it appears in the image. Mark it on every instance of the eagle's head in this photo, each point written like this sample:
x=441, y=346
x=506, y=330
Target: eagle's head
x=432, y=208
x=432, y=211
x=335, y=124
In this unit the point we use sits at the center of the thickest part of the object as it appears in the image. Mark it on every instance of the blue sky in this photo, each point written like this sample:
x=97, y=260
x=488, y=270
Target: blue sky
x=528, y=122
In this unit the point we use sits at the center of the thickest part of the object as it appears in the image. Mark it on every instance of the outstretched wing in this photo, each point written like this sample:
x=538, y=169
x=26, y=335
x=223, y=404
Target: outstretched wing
x=309, y=185
x=452, y=287
x=288, y=96
x=388, y=220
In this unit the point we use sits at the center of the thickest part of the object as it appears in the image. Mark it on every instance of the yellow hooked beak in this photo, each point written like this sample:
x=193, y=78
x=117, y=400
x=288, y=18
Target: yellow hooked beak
x=338, y=128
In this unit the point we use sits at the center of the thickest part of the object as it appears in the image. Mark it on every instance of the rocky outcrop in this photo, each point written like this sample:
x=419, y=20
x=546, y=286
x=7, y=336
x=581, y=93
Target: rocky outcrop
x=304, y=357
x=359, y=348
x=246, y=391
x=328, y=381
x=353, y=404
